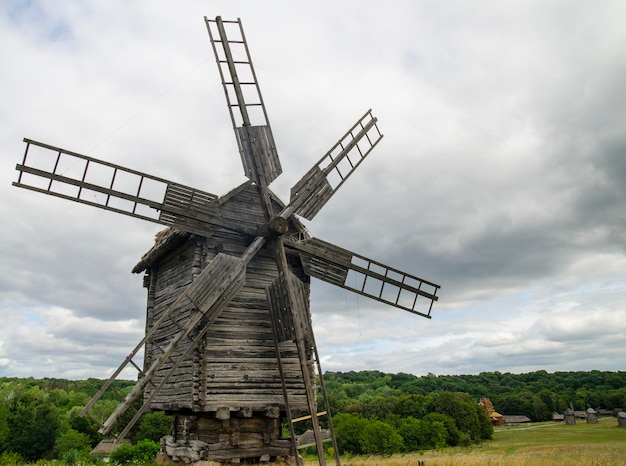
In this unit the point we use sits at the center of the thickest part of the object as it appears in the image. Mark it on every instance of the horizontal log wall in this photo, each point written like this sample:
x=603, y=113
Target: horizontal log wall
x=235, y=366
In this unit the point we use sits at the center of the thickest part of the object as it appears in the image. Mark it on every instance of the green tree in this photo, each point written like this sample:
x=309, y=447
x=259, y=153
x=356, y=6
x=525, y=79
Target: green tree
x=380, y=438
x=348, y=428
x=83, y=424
x=33, y=424
x=485, y=427
x=412, y=406
x=413, y=433
x=72, y=440
x=4, y=426
x=461, y=408
x=153, y=426
x=454, y=436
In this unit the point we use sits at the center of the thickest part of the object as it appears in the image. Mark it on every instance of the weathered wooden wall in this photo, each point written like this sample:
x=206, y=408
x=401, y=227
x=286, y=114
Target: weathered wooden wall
x=235, y=366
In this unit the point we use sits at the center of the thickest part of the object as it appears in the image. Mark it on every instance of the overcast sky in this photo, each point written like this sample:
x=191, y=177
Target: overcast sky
x=501, y=176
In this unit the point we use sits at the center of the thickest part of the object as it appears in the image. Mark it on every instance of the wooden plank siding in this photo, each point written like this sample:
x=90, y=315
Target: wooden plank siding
x=235, y=365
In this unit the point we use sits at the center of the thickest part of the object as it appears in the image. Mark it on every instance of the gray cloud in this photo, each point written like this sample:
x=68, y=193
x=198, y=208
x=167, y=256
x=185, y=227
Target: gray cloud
x=501, y=174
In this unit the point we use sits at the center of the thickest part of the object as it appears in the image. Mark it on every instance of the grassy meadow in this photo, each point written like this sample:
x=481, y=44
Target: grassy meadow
x=540, y=444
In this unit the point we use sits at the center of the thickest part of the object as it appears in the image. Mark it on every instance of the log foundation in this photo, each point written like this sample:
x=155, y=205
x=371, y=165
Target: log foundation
x=226, y=437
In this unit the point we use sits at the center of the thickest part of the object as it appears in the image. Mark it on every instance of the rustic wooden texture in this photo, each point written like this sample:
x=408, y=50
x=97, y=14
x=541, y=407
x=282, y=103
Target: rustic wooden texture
x=235, y=364
x=313, y=191
x=258, y=151
x=189, y=208
x=365, y=276
x=226, y=439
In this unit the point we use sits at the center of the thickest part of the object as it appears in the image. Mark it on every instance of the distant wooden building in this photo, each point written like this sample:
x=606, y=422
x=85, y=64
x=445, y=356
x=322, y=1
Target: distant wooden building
x=569, y=417
x=104, y=449
x=558, y=417
x=592, y=416
x=515, y=420
x=496, y=418
x=621, y=419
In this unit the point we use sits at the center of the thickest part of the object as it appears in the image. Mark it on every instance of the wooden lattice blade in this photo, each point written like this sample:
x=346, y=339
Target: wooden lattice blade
x=365, y=276
x=314, y=190
x=245, y=102
x=86, y=180
x=288, y=300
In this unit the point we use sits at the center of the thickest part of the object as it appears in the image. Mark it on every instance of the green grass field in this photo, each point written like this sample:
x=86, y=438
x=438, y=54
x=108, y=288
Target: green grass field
x=540, y=444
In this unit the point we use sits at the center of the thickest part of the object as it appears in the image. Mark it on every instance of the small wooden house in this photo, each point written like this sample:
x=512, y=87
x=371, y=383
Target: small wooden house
x=569, y=416
x=515, y=420
x=226, y=395
x=621, y=419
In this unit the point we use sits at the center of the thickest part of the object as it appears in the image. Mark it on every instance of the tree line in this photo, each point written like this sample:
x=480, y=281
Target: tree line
x=374, y=412
x=39, y=419
x=536, y=394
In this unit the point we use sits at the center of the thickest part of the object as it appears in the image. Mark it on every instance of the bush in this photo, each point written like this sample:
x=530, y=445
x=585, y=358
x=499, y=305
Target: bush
x=144, y=452
x=122, y=454
x=72, y=440
x=9, y=458
x=74, y=457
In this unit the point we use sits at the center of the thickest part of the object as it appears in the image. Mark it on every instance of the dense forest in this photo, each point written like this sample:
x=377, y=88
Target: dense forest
x=373, y=412
x=536, y=394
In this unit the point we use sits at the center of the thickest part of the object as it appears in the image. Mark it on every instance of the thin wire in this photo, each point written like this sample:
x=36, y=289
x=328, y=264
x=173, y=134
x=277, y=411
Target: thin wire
x=149, y=104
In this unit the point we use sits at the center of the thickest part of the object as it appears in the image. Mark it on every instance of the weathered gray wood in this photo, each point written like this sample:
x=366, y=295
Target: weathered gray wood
x=235, y=364
x=187, y=208
x=332, y=264
x=315, y=189
x=258, y=153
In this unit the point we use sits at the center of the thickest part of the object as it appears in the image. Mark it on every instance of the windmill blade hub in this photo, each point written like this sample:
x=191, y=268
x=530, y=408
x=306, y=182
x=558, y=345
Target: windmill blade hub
x=276, y=227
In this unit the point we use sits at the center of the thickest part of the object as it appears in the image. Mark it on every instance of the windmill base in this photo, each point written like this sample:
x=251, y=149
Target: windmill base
x=223, y=437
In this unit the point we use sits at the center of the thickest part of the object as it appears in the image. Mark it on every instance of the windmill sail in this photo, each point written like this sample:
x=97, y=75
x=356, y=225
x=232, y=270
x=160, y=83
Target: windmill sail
x=365, y=276
x=69, y=175
x=314, y=190
x=244, y=99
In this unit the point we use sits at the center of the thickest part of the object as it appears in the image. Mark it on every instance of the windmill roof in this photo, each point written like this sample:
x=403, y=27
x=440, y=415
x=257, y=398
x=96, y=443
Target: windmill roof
x=515, y=419
x=171, y=237
x=164, y=241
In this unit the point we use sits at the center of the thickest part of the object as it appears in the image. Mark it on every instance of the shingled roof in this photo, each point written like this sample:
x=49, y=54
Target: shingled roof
x=106, y=446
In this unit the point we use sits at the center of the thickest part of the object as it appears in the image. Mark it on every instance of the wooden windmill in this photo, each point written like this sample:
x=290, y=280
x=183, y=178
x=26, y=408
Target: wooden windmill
x=229, y=348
